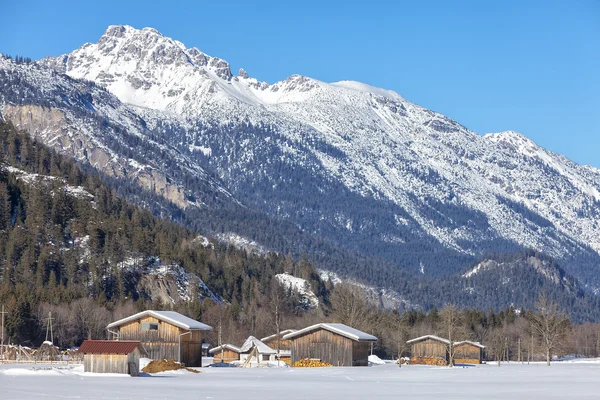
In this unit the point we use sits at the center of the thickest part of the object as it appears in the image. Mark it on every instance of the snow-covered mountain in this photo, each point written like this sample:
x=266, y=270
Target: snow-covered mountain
x=358, y=167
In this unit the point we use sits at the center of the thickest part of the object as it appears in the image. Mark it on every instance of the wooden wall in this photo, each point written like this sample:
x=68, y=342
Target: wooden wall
x=191, y=349
x=113, y=363
x=360, y=354
x=467, y=354
x=164, y=343
x=228, y=356
x=429, y=348
x=283, y=344
x=328, y=347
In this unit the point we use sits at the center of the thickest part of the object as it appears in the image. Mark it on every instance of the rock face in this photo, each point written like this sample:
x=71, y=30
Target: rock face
x=358, y=167
x=85, y=122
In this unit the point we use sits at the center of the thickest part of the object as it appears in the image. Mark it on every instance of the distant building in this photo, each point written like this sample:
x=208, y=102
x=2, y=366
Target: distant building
x=467, y=352
x=206, y=349
x=225, y=353
x=164, y=335
x=426, y=349
x=112, y=356
x=285, y=351
x=256, y=350
x=337, y=344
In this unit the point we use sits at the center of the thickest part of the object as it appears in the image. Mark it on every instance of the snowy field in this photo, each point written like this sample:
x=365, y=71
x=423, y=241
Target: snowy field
x=562, y=380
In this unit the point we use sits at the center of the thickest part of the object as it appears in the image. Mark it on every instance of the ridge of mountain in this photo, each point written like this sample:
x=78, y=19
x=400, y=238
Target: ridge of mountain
x=378, y=175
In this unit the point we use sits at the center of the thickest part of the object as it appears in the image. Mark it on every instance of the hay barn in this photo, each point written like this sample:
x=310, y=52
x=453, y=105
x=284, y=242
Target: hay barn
x=112, y=356
x=467, y=352
x=164, y=335
x=226, y=353
x=337, y=344
x=285, y=351
x=429, y=349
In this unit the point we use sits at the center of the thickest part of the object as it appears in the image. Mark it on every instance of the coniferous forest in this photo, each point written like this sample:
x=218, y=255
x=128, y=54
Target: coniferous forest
x=70, y=245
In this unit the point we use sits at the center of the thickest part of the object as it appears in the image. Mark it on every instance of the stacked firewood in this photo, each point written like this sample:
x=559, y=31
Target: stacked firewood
x=311, y=363
x=439, y=362
x=466, y=361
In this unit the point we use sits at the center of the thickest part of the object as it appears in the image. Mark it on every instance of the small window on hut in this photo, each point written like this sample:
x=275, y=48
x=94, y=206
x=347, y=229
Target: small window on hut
x=149, y=326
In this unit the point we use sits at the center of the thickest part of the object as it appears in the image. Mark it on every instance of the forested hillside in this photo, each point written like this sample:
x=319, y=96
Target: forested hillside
x=69, y=244
x=67, y=240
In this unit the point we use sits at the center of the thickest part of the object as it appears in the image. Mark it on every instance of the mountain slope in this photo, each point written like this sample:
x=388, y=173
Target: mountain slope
x=65, y=237
x=356, y=167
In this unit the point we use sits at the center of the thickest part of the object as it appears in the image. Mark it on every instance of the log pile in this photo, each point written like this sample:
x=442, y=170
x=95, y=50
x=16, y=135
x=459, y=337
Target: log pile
x=438, y=362
x=311, y=363
x=466, y=361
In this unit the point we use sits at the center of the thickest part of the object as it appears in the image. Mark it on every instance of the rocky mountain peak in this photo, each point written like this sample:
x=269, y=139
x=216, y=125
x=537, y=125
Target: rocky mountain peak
x=391, y=179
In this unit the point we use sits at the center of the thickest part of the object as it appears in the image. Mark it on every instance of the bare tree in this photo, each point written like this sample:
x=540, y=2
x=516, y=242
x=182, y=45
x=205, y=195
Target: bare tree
x=451, y=321
x=496, y=343
x=278, y=305
x=400, y=335
x=350, y=306
x=550, y=325
x=89, y=318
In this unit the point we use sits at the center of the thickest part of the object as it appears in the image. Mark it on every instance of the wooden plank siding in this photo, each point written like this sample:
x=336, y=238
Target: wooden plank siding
x=331, y=348
x=164, y=342
x=467, y=353
x=228, y=356
x=113, y=363
x=283, y=344
x=360, y=354
x=429, y=348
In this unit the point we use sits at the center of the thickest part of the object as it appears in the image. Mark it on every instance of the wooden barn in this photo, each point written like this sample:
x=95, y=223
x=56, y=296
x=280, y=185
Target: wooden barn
x=337, y=344
x=285, y=351
x=225, y=353
x=112, y=356
x=429, y=349
x=164, y=335
x=467, y=352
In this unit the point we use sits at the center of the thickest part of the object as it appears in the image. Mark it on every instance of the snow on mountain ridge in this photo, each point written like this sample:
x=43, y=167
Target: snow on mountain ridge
x=444, y=181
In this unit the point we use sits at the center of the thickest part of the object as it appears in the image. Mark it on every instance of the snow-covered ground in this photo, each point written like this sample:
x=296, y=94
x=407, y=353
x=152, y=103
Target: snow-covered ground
x=511, y=381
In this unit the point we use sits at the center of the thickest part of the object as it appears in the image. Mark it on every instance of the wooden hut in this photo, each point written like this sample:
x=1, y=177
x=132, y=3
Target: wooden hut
x=112, y=356
x=467, y=352
x=337, y=344
x=164, y=335
x=285, y=351
x=225, y=353
x=429, y=349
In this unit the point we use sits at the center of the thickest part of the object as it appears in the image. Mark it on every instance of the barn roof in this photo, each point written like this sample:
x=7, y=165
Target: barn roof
x=282, y=333
x=340, y=329
x=476, y=344
x=225, y=347
x=260, y=346
x=432, y=337
x=171, y=317
x=110, y=347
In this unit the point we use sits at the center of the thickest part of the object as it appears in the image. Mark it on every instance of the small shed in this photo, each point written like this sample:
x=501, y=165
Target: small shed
x=255, y=350
x=467, y=352
x=164, y=335
x=225, y=353
x=429, y=349
x=112, y=356
x=285, y=351
x=337, y=344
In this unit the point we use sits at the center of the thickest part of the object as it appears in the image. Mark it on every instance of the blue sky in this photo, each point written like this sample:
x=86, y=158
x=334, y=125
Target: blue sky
x=530, y=66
